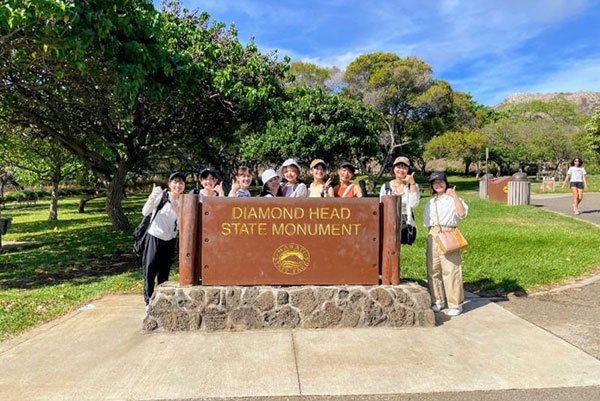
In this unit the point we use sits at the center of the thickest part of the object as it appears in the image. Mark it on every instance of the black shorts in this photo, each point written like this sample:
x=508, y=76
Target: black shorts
x=578, y=185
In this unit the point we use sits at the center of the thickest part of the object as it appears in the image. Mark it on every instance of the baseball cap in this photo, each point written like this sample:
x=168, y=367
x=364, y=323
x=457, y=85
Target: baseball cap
x=316, y=162
x=208, y=171
x=438, y=175
x=177, y=174
x=348, y=165
x=401, y=159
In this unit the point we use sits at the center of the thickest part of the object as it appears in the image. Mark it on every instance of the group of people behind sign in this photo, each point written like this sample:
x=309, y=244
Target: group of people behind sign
x=442, y=212
x=285, y=182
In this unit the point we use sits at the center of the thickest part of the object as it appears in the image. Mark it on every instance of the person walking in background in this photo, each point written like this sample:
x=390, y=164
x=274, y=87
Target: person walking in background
x=241, y=184
x=346, y=189
x=444, y=271
x=271, y=184
x=293, y=188
x=404, y=185
x=159, y=250
x=319, y=188
x=578, y=181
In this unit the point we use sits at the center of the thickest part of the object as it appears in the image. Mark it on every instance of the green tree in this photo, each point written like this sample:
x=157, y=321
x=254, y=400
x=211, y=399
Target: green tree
x=121, y=85
x=45, y=161
x=537, y=132
x=311, y=75
x=314, y=123
x=593, y=130
x=468, y=146
x=409, y=102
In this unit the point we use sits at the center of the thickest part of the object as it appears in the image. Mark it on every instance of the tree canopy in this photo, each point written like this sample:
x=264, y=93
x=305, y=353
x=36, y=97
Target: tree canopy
x=118, y=83
x=314, y=123
x=468, y=146
x=413, y=106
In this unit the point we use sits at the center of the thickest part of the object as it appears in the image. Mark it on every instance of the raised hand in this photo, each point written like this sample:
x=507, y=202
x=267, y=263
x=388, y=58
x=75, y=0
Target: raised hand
x=156, y=191
x=234, y=186
x=219, y=188
x=452, y=192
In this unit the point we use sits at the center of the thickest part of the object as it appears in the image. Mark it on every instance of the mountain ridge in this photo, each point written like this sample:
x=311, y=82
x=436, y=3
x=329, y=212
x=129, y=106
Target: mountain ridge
x=586, y=101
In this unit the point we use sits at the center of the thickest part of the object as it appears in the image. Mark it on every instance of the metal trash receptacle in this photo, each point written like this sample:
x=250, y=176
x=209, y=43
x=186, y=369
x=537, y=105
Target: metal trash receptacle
x=519, y=190
x=483, y=181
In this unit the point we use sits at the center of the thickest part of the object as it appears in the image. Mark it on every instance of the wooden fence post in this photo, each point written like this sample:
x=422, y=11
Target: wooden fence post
x=188, y=235
x=390, y=239
x=199, y=244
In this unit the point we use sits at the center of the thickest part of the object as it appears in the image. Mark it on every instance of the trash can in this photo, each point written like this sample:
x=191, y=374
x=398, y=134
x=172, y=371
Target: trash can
x=498, y=188
x=518, y=190
x=483, y=194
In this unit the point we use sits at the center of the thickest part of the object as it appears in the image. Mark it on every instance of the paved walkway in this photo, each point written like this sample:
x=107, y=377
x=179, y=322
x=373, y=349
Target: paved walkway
x=562, y=203
x=99, y=353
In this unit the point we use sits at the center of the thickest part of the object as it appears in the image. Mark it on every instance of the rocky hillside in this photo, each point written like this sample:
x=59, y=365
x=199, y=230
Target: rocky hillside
x=586, y=102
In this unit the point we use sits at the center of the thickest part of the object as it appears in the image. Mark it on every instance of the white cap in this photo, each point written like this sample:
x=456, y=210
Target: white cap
x=268, y=175
x=290, y=162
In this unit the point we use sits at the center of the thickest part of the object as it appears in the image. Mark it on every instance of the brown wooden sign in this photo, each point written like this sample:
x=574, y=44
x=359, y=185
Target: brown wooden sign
x=289, y=241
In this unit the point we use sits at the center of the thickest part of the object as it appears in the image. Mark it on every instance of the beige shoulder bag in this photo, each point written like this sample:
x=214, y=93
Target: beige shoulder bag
x=451, y=240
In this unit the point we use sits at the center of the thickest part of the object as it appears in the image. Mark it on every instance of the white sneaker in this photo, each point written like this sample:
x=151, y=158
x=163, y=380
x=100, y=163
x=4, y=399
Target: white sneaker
x=436, y=308
x=148, y=309
x=454, y=312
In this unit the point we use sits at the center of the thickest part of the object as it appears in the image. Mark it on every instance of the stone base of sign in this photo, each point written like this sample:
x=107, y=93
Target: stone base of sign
x=237, y=308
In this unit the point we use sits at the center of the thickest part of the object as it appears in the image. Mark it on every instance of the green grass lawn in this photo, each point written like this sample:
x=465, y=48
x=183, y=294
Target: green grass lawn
x=80, y=256
x=513, y=248
x=72, y=260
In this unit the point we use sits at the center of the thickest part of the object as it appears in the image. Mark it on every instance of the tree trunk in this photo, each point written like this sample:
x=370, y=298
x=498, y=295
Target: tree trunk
x=53, y=214
x=115, y=190
x=467, y=165
x=56, y=178
x=85, y=199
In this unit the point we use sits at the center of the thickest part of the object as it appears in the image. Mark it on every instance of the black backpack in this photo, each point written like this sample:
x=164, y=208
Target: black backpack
x=139, y=234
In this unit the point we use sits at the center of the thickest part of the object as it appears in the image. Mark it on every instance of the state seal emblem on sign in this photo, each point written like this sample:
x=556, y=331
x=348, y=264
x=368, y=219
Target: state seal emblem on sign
x=291, y=258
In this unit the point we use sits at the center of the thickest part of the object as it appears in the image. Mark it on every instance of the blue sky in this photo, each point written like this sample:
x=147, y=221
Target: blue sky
x=489, y=48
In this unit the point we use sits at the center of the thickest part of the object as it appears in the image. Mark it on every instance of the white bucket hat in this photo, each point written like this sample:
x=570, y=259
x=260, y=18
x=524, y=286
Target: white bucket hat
x=290, y=162
x=268, y=175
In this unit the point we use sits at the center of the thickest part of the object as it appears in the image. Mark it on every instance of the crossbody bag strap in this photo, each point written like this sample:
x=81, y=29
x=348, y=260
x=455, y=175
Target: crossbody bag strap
x=163, y=201
x=437, y=212
x=348, y=188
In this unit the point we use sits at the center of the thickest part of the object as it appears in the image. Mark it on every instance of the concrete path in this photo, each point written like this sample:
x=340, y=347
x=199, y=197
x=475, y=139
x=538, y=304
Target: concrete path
x=562, y=203
x=99, y=353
